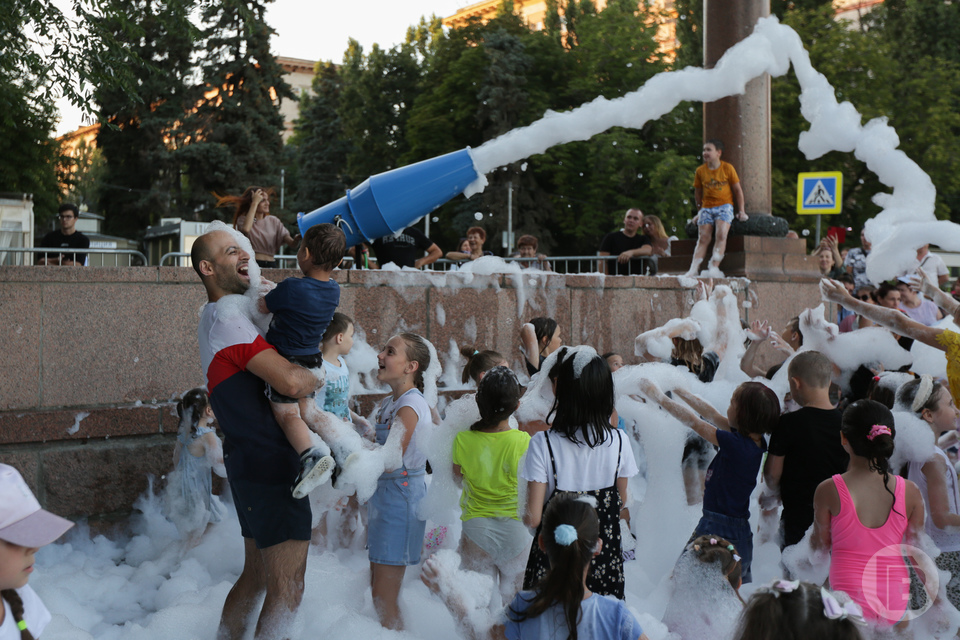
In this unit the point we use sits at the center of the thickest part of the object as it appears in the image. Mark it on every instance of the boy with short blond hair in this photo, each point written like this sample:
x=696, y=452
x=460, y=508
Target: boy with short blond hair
x=805, y=447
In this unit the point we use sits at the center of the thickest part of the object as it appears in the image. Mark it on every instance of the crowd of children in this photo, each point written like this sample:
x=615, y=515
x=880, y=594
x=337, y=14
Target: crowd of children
x=544, y=507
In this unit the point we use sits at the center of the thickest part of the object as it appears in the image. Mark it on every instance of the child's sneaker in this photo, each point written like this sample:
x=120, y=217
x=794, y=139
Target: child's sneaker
x=315, y=469
x=340, y=469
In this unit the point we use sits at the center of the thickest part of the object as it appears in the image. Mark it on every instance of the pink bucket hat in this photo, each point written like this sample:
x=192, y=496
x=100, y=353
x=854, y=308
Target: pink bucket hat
x=22, y=521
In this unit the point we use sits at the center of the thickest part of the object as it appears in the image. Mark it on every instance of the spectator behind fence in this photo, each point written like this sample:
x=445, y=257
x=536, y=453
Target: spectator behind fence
x=653, y=228
x=476, y=236
x=252, y=218
x=933, y=265
x=527, y=248
x=66, y=237
x=405, y=249
x=628, y=245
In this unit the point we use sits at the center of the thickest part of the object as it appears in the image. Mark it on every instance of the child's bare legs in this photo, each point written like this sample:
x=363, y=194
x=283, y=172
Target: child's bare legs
x=385, y=582
x=296, y=430
x=703, y=242
x=316, y=465
x=720, y=243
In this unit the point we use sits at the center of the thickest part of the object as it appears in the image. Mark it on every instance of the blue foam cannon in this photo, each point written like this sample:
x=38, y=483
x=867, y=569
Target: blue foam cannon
x=388, y=202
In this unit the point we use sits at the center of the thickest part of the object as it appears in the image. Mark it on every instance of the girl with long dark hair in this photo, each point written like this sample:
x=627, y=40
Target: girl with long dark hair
x=581, y=453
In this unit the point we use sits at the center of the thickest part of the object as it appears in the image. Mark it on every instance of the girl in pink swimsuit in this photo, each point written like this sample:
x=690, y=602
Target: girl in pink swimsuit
x=864, y=515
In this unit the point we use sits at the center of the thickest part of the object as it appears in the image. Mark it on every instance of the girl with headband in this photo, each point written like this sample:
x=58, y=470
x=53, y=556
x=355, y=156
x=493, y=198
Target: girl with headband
x=562, y=605
x=863, y=517
x=936, y=477
x=793, y=609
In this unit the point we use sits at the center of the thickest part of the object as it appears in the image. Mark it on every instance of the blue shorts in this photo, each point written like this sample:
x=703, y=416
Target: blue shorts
x=269, y=514
x=736, y=530
x=709, y=216
x=394, y=531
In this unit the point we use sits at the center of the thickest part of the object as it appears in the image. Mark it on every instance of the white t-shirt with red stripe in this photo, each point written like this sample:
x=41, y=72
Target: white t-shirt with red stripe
x=254, y=447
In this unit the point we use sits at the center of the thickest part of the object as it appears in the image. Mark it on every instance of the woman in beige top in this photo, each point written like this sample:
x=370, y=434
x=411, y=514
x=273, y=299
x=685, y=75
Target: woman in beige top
x=266, y=232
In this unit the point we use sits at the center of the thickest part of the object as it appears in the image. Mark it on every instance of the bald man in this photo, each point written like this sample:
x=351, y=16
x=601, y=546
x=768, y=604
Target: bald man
x=261, y=464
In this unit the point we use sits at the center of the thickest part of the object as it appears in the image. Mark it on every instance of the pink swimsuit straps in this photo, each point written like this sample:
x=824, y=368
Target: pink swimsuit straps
x=867, y=563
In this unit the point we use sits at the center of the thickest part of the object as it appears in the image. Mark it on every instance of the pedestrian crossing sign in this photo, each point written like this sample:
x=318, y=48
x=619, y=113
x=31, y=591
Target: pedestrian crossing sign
x=819, y=192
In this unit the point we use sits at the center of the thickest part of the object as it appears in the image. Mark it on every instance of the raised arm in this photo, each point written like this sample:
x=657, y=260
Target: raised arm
x=686, y=417
x=646, y=343
x=704, y=408
x=252, y=212
x=940, y=297
x=893, y=319
x=759, y=332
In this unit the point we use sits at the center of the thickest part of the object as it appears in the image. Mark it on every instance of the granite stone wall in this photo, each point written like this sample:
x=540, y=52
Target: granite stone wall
x=93, y=358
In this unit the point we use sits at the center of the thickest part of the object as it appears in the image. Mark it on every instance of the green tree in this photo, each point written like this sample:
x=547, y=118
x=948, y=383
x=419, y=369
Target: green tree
x=141, y=176
x=319, y=144
x=233, y=139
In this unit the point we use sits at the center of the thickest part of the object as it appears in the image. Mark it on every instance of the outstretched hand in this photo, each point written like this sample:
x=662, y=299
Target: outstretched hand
x=650, y=389
x=759, y=330
x=833, y=291
x=778, y=343
x=927, y=288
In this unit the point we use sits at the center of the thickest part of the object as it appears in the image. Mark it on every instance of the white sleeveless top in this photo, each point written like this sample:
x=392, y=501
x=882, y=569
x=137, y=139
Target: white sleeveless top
x=944, y=540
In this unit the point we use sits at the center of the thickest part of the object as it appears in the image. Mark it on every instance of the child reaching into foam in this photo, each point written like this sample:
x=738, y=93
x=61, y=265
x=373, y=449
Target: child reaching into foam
x=936, y=478
x=197, y=452
x=705, y=590
x=24, y=528
x=538, y=339
x=864, y=511
x=485, y=460
x=302, y=309
x=791, y=610
x=754, y=410
x=581, y=453
x=562, y=605
x=395, y=530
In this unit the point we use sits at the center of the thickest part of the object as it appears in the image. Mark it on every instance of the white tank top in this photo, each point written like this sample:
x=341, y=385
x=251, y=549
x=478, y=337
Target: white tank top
x=944, y=540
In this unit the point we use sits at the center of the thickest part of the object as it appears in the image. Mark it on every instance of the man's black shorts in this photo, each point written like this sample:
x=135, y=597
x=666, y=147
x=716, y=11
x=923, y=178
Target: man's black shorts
x=310, y=362
x=269, y=514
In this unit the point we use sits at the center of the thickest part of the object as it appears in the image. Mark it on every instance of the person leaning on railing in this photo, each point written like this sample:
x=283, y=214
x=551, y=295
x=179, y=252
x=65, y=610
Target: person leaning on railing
x=66, y=237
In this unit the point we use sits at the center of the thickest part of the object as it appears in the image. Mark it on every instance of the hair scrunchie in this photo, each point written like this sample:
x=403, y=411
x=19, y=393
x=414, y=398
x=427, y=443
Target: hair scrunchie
x=878, y=430
x=565, y=534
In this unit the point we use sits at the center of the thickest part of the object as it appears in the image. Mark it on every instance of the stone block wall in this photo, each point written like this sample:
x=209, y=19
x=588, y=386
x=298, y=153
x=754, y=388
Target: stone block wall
x=93, y=358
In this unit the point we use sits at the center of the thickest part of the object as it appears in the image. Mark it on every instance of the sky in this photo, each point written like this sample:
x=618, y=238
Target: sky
x=319, y=31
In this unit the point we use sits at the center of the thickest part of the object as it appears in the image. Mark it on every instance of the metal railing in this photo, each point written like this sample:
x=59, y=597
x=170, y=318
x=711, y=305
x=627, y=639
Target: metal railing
x=17, y=255
x=563, y=264
x=285, y=261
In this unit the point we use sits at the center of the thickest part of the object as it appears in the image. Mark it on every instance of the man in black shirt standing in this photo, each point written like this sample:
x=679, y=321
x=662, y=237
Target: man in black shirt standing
x=406, y=248
x=67, y=237
x=628, y=245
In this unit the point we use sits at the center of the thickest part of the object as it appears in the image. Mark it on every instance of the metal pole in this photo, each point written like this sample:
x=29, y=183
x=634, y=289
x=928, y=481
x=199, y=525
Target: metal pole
x=282, y=176
x=426, y=226
x=818, y=230
x=510, y=218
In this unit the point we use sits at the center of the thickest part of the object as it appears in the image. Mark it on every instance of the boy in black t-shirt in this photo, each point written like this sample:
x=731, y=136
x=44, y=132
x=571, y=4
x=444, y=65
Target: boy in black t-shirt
x=804, y=448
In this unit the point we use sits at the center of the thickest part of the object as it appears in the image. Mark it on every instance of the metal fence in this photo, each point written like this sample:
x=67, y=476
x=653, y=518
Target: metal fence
x=565, y=264
x=17, y=256
x=284, y=261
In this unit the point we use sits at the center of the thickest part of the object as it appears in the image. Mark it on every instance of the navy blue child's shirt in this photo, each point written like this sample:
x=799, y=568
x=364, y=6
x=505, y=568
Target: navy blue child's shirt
x=302, y=309
x=732, y=474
